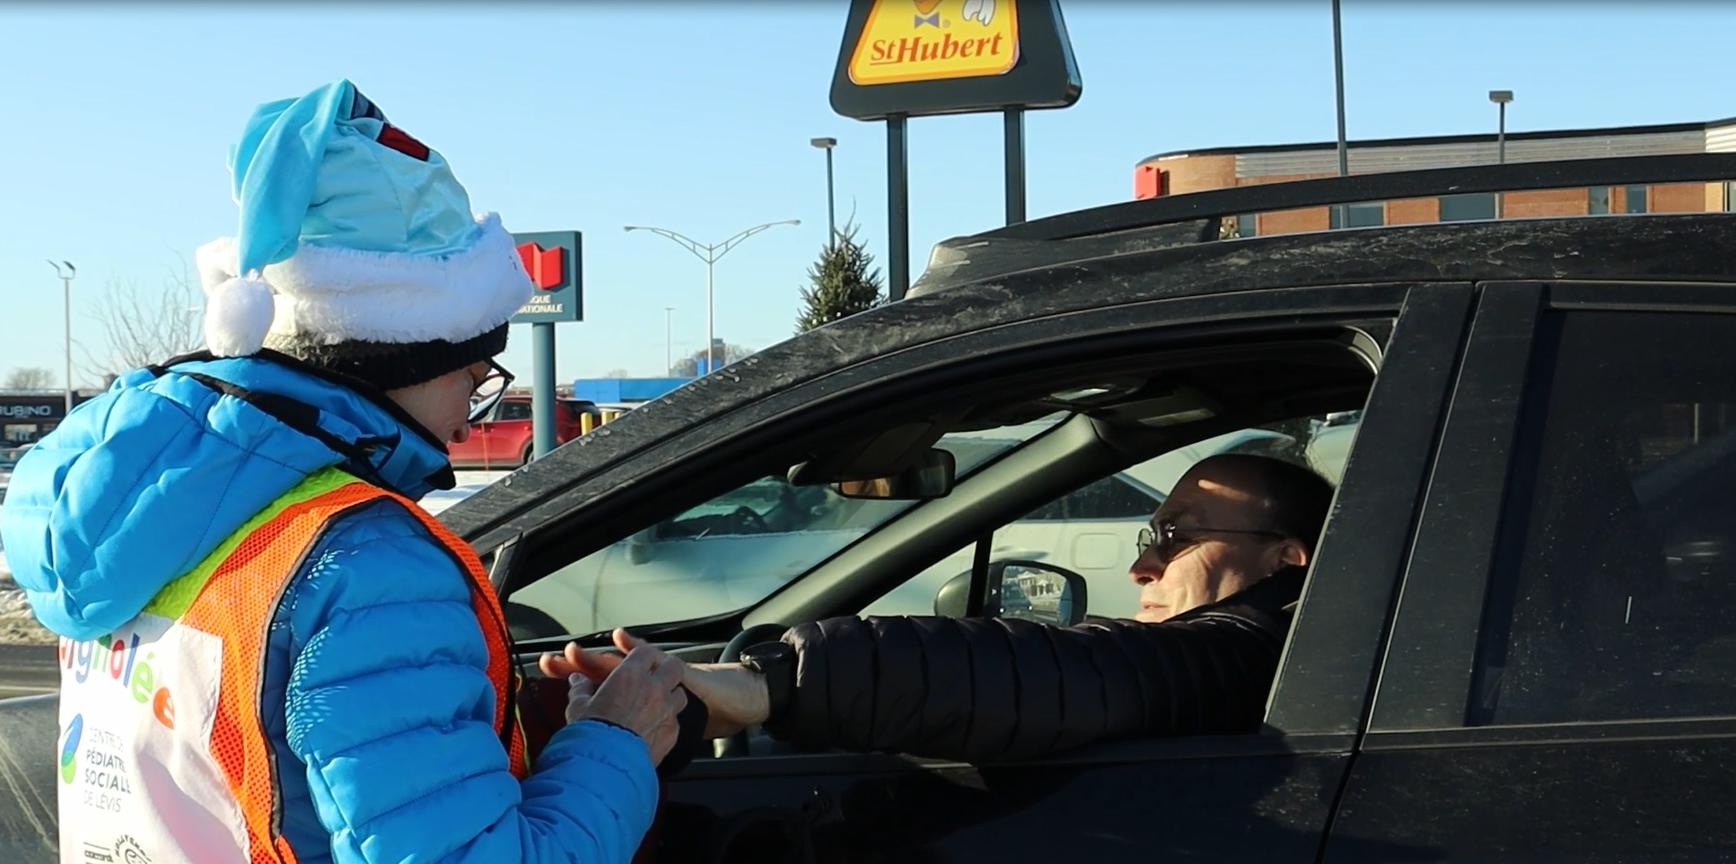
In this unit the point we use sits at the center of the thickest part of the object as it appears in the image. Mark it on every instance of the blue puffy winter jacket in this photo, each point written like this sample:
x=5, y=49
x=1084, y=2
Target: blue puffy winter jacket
x=138, y=485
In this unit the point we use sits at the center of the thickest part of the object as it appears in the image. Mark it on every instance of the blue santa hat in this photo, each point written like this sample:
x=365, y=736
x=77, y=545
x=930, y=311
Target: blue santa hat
x=357, y=249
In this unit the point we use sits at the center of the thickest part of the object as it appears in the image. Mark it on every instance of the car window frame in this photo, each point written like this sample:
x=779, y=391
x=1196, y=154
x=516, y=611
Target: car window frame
x=1427, y=679
x=1317, y=704
x=1428, y=316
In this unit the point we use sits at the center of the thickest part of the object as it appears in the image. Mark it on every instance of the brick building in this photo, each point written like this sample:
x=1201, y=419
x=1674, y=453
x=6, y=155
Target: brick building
x=1200, y=170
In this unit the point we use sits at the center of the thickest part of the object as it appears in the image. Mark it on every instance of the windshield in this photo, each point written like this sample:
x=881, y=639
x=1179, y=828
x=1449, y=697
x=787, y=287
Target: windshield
x=730, y=551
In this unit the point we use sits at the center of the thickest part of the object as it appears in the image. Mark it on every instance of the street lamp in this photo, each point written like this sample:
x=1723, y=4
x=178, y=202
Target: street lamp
x=710, y=253
x=827, y=144
x=1500, y=98
x=668, y=339
x=1338, y=84
x=66, y=271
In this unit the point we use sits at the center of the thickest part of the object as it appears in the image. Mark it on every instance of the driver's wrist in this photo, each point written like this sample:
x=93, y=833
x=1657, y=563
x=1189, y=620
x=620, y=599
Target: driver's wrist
x=759, y=708
x=772, y=667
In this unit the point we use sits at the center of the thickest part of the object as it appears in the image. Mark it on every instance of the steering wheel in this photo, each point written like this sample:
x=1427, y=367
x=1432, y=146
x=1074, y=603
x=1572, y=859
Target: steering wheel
x=736, y=745
x=751, y=521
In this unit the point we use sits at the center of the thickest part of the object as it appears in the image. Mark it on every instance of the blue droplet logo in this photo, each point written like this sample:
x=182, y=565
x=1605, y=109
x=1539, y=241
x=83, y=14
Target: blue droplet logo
x=69, y=749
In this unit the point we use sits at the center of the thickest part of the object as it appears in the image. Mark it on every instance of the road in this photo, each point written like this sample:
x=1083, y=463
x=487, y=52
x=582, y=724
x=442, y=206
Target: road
x=26, y=670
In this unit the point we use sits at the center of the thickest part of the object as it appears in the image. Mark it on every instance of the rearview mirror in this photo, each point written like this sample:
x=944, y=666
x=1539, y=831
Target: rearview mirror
x=931, y=478
x=639, y=546
x=1027, y=590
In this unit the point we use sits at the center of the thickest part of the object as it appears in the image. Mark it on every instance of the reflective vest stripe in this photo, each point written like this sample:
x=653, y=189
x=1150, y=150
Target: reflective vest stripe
x=235, y=595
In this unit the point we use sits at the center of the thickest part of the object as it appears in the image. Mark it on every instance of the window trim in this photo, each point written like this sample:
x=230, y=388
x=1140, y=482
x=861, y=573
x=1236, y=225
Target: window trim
x=1643, y=192
x=1427, y=679
x=1363, y=206
x=1494, y=207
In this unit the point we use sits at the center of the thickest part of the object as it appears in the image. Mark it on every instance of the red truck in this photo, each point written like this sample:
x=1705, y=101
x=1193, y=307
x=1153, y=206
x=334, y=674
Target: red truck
x=502, y=439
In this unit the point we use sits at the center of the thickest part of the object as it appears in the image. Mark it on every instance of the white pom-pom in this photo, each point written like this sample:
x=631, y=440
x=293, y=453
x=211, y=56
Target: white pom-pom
x=238, y=314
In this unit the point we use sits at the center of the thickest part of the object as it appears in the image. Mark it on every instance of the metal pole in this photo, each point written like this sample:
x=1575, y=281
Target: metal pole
x=831, y=202
x=710, y=253
x=1338, y=73
x=1501, y=156
x=66, y=297
x=542, y=396
x=668, y=339
x=710, y=313
x=897, y=208
x=1015, y=148
x=64, y=271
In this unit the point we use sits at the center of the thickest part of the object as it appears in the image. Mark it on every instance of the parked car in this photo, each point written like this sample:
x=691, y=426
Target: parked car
x=1515, y=641
x=503, y=439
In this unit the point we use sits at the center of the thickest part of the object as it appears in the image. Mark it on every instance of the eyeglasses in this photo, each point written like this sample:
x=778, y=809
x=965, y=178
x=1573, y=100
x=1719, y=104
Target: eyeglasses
x=488, y=391
x=1164, y=537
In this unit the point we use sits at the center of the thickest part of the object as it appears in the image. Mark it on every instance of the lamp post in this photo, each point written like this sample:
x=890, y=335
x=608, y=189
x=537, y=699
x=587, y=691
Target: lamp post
x=1338, y=80
x=827, y=144
x=1500, y=98
x=66, y=271
x=668, y=339
x=710, y=253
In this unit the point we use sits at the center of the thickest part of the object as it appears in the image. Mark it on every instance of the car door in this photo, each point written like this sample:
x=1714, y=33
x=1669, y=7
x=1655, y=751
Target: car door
x=1561, y=682
x=503, y=438
x=1261, y=797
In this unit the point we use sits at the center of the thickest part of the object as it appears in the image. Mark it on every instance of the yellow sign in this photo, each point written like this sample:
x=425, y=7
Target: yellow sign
x=930, y=40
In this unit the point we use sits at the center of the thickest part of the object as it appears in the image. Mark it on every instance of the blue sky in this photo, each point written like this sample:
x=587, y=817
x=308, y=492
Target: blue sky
x=696, y=117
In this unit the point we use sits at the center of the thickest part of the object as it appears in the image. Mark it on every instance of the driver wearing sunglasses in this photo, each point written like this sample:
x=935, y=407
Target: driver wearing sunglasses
x=1220, y=569
x=1231, y=522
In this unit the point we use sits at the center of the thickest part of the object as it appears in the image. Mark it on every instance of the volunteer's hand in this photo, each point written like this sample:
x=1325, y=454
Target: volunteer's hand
x=735, y=697
x=639, y=692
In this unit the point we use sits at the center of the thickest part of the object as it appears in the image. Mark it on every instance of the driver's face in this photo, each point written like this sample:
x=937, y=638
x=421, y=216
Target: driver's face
x=1201, y=566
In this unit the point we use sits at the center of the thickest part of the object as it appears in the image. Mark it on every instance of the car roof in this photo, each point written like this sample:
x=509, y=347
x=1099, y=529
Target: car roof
x=1179, y=220
x=1153, y=250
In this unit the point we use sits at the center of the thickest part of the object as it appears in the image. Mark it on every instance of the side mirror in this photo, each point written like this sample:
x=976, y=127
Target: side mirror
x=931, y=478
x=1026, y=590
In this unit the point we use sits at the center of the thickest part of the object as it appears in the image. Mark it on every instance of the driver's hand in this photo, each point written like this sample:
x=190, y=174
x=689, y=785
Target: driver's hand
x=734, y=696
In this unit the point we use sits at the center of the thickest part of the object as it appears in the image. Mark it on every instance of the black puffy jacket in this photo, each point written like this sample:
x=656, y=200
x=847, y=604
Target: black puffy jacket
x=987, y=688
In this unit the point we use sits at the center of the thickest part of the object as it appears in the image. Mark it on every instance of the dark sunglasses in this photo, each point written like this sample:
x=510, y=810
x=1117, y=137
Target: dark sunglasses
x=1164, y=537
x=488, y=391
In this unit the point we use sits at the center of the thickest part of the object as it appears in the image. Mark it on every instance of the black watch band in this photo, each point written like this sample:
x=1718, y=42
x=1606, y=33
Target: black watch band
x=776, y=661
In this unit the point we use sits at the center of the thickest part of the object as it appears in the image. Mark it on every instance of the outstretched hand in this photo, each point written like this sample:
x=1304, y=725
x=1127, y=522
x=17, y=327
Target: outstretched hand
x=639, y=691
x=734, y=696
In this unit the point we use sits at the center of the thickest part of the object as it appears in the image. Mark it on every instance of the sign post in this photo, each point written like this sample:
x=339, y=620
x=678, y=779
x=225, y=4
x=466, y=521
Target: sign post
x=554, y=261
x=912, y=58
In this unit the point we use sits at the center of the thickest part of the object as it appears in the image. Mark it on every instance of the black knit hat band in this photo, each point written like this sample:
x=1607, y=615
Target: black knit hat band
x=390, y=366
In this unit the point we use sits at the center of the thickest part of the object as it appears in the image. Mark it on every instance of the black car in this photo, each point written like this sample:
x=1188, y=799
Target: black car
x=1515, y=642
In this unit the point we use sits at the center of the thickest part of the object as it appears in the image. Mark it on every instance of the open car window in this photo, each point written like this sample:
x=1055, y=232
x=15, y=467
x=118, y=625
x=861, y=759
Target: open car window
x=1091, y=530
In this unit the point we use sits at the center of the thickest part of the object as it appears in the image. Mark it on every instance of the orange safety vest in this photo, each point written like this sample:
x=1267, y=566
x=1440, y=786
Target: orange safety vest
x=164, y=756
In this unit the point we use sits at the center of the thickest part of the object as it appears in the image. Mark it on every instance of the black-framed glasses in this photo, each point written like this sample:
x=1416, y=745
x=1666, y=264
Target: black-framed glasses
x=488, y=391
x=1166, y=537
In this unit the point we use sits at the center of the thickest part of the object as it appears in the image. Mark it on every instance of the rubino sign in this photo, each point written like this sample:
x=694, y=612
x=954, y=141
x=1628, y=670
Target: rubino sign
x=553, y=259
x=936, y=40
x=20, y=409
x=916, y=57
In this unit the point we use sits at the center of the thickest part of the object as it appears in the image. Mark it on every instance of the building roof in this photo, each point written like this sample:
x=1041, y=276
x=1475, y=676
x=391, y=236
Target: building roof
x=1479, y=138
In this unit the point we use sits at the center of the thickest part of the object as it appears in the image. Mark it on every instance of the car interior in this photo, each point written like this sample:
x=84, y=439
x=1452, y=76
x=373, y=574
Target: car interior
x=1097, y=416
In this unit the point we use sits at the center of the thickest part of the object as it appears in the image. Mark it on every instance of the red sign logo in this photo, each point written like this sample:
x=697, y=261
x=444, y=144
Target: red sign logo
x=546, y=266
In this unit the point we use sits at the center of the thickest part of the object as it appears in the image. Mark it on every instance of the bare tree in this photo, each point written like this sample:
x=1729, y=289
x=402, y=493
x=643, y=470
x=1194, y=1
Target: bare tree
x=29, y=378
x=144, y=325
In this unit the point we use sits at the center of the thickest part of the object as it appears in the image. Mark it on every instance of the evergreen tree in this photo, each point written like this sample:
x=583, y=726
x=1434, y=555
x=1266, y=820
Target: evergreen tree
x=841, y=283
